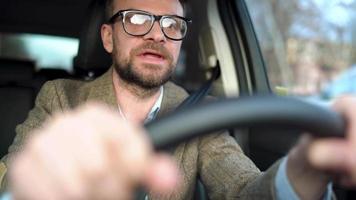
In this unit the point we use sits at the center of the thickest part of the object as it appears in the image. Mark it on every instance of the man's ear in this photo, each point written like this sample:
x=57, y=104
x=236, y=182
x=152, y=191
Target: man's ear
x=106, y=37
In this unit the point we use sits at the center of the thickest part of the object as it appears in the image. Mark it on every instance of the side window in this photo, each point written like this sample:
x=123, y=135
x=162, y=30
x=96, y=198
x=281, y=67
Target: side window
x=309, y=46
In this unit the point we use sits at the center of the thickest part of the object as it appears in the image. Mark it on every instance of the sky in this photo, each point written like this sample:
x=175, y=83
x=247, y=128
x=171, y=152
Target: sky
x=336, y=12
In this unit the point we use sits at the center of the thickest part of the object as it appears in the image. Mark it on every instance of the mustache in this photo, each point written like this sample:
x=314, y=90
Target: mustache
x=159, y=48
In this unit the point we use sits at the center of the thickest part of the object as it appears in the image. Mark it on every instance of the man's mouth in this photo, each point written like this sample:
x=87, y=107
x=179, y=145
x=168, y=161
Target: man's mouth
x=152, y=56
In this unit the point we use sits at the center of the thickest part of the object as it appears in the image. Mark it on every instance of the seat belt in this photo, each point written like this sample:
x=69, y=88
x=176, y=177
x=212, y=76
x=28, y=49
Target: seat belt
x=197, y=96
x=191, y=100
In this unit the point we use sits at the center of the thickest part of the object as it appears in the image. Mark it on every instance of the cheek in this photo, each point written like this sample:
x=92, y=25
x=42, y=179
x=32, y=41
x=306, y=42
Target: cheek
x=175, y=50
x=122, y=44
x=121, y=48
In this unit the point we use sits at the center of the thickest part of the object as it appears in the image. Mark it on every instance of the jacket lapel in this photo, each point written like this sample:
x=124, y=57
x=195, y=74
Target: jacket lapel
x=172, y=97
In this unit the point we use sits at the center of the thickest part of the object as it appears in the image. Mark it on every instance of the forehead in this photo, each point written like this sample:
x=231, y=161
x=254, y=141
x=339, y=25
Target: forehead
x=158, y=7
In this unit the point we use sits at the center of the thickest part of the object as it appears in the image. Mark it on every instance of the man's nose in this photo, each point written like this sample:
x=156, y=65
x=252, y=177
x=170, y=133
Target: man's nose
x=156, y=33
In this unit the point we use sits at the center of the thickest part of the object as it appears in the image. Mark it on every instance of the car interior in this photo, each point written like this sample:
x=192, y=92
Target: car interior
x=222, y=36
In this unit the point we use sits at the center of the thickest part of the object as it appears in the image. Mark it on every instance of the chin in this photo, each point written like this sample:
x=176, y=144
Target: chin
x=154, y=79
x=155, y=72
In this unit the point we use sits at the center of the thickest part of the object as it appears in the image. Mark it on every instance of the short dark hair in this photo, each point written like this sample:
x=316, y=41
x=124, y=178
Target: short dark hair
x=109, y=8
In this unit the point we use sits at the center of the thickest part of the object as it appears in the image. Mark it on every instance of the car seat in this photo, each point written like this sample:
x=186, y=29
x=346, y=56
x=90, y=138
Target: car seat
x=92, y=59
x=17, y=97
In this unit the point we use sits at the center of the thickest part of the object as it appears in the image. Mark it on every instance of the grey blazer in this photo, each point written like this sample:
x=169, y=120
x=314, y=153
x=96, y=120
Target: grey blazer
x=216, y=159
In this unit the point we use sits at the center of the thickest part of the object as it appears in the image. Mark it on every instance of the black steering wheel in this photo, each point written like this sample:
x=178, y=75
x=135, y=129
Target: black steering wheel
x=254, y=111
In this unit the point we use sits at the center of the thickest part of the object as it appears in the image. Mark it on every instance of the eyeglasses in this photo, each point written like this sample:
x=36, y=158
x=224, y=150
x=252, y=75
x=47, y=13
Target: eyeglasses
x=140, y=23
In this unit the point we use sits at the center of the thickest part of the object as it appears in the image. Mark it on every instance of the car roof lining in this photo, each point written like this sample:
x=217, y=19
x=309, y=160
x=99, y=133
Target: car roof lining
x=31, y=16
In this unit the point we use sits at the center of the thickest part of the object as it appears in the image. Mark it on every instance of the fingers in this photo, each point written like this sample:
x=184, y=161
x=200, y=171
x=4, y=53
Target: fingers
x=90, y=153
x=330, y=155
x=346, y=105
x=337, y=155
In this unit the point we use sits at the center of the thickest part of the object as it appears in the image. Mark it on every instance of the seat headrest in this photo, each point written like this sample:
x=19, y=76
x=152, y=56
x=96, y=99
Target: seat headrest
x=91, y=53
x=12, y=70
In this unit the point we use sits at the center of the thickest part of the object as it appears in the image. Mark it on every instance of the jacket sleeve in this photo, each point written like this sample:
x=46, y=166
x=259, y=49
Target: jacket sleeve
x=47, y=100
x=227, y=173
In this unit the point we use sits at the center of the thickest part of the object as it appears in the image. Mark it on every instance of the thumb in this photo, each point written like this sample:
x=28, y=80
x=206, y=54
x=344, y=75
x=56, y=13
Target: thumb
x=329, y=155
x=163, y=176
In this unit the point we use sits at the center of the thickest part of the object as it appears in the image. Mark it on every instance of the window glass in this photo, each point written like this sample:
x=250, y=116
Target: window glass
x=47, y=51
x=308, y=45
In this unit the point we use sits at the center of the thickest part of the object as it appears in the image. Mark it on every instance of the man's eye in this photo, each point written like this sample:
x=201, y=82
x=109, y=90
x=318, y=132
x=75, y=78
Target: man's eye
x=139, y=19
x=169, y=23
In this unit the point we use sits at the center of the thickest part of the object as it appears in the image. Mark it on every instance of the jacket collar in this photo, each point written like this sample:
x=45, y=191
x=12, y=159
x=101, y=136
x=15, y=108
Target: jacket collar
x=102, y=90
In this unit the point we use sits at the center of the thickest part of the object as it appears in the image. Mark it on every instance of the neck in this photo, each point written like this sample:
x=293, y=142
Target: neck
x=134, y=101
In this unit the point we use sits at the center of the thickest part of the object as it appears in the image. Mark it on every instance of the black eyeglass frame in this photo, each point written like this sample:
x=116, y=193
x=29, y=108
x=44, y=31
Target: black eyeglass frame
x=122, y=13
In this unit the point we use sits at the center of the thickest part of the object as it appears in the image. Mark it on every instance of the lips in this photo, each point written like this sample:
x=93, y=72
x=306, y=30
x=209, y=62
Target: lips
x=152, y=54
x=153, y=57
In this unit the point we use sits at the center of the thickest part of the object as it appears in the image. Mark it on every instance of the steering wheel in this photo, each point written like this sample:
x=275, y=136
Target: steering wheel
x=254, y=111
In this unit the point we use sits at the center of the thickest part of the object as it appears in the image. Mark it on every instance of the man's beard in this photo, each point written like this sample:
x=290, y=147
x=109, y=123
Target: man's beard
x=131, y=74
